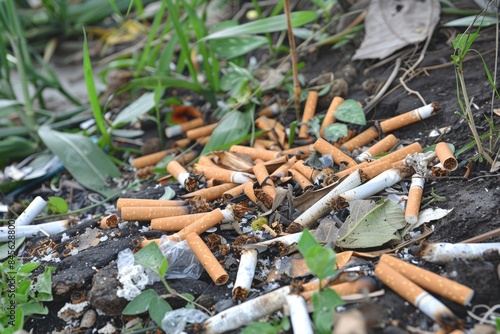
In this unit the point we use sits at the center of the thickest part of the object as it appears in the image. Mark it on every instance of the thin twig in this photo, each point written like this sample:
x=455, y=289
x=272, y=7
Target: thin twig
x=384, y=88
x=293, y=54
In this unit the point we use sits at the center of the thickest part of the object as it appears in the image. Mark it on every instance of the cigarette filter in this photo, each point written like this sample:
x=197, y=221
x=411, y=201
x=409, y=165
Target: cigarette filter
x=176, y=223
x=246, y=272
x=221, y=174
x=211, y=193
x=445, y=155
x=28, y=215
x=282, y=171
x=207, y=259
x=152, y=159
x=382, y=146
x=148, y=212
x=186, y=157
x=181, y=143
x=408, y=118
x=275, y=130
x=412, y=209
x=309, y=111
x=446, y=252
x=269, y=111
x=199, y=226
x=202, y=131
x=110, y=221
x=430, y=281
x=329, y=117
x=303, y=181
x=179, y=129
x=362, y=139
x=234, y=192
x=339, y=157
x=248, y=191
x=264, y=180
x=308, y=172
x=178, y=172
x=255, y=153
x=127, y=202
x=299, y=315
x=418, y=297
x=375, y=185
x=401, y=153
x=305, y=149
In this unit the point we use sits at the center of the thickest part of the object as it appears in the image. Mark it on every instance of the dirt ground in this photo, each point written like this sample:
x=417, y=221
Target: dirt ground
x=474, y=200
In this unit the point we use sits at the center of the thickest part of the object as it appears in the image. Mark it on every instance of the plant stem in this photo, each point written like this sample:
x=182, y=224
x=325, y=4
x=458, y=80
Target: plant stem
x=293, y=55
x=172, y=292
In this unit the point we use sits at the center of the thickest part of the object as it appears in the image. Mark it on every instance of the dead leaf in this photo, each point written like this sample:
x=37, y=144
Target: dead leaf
x=233, y=161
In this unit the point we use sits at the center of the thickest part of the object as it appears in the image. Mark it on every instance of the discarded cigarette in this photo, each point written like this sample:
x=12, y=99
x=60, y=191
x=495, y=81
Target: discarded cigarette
x=247, y=312
x=309, y=111
x=110, y=221
x=321, y=207
x=420, y=298
x=360, y=285
x=349, y=170
x=186, y=157
x=178, y=172
x=408, y=118
x=234, y=192
x=305, y=149
x=264, y=180
x=362, y=139
x=401, y=153
x=282, y=171
x=179, y=129
x=29, y=214
x=255, y=153
x=288, y=240
x=151, y=159
x=211, y=193
x=307, y=171
x=176, y=223
x=200, y=132
x=329, y=117
x=207, y=259
x=268, y=144
x=430, y=281
x=446, y=252
x=376, y=168
x=246, y=271
x=248, y=191
x=31, y=231
x=124, y=202
x=339, y=157
x=203, y=140
x=221, y=174
x=275, y=130
x=301, y=323
x=146, y=242
x=150, y=212
x=382, y=146
x=204, y=223
x=412, y=209
x=445, y=155
x=303, y=181
x=272, y=110
x=181, y=143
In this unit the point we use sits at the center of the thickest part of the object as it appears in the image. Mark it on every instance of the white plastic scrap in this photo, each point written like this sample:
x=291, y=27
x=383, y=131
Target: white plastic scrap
x=175, y=321
x=134, y=277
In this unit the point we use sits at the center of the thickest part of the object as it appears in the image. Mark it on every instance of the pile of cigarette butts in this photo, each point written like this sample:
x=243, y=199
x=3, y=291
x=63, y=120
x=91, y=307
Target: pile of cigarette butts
x=362, y=165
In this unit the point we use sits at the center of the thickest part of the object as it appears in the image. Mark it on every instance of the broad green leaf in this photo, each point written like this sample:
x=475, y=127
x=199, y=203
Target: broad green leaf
x=371, y=224
x=19, y=322
x=335, y=131
x=321, y=261
x=350, y=112
x=169, y=194
x=151, y=257
x=261, y=328
x=463, y=42
x=140, y=304
x=232, y=47
x=233, y=126
x=324, y=303
x=137, y=108
x=164, y=81
x=157, y=309
x=43, y=284
x=472, y=20
x=15, y=147
x=5, y=249
x=33, y=308
x=270, y=24
x=126, y=133
x=83, y=159
x=57, y=204
x=28, y=267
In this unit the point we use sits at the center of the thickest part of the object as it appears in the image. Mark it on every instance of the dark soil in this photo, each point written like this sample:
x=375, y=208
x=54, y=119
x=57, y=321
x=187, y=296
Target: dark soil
x=474, y=199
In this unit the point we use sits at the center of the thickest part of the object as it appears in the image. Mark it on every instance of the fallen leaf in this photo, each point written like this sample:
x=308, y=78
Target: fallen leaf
x=429, y=214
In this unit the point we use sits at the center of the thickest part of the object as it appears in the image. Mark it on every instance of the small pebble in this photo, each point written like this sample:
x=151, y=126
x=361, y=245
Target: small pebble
x=88, y=319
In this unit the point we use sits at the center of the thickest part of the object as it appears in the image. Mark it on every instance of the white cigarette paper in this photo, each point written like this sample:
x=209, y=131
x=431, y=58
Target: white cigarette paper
x=246, y=272
x=301, y=323
x=183, y=177
x=30, y=213
x=286, y=240
x=373, y=186
x=31, y=231
x=446, y=252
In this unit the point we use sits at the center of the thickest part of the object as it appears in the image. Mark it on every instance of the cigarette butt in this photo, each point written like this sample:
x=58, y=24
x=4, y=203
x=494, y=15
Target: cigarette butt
x=207, y=259
x=234, y=192
x=255, y=153
x=176, y=223
x=308, y=172
x=211, y=193
x=110, y=221
x=146, y=242
x=408, y=118
x=270, y=111
x=259, y=145
x=246, y=272
x=275, y=130
x=373, y=169
x=303, y=181
x=304, y=149
x=443, y=252
x=282, y=171
x=203, y=140
x=401, y=153
x=182, y=143
x=178, y=172
x=199, y=226
x=148, y=213
x=248, y=191
x=446, y=157
x=430, y=281
x=264, y=180
x=349, y=170
x=299, y=314
x=221, y=174
x=309, y=111
x=339, y=157
x=385, y=179
x=123, y=202
x=202, y=131
x=362, y=139
x=417, y=296
x=179, y=129
x=365, y=283
x=412, y=209
x=267, y=144
x=329, y=117
x=186, y=157
x=382, y=146
x=151, y=159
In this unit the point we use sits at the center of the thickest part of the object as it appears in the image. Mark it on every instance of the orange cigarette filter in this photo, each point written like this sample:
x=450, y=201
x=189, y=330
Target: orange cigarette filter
x=212, y=193
x=148, y=213
x=269, y=111
x=268, y=144
x=401, y=153
x=303, y=181
x=186, y=157
x=221, y=174
x=255, y=153
x=412, y=209
x=360, y=285
x=177, y=223
x=124, y=202
x=282, y=171
x=309, y=111
x=199, y=226
x=233, y=192
x=304, y=149
x=275, y=130
x=382, y=146
x=264, y=180
x=349, y=170
x=248, y=191
x=307, y=171
x=110, y=221
x=362, y=139
x=339, y=157
x=329, y=117
x=152, y=159
x=179, y=129
x=430, y=281
x=204, y=140
x=206, y=160
x=374, y=169
x=408, y=118
x=176, y=169
x=182, y=143
x=202, y=131
x=207, y=259
x=146, y=242
x=446, y=157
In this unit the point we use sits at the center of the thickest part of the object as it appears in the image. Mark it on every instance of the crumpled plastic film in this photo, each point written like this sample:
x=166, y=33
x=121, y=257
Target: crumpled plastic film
x=175, y=321
x=182, y=263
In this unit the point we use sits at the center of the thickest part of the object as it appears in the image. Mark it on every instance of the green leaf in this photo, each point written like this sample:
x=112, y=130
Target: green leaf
x=83, y=159
x=472, y=21
x=324, y=303
x=137, y=108
x=350, y=112
x=157, y=309
x=233, y=126
x=233, y=47
x=5, y=249
x=321, y=261
x=43, y=284
x=270, y=24
x=140, y=304
x=169, y=194
x=151, y=257
x=335, y=131
x=19, y=322
x=33, y=308
x=261, y=328
x=28, y=267
x=57, y=204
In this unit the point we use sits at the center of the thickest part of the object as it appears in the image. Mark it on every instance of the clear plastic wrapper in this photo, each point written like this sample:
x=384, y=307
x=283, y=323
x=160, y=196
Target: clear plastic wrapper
x=182, y=263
